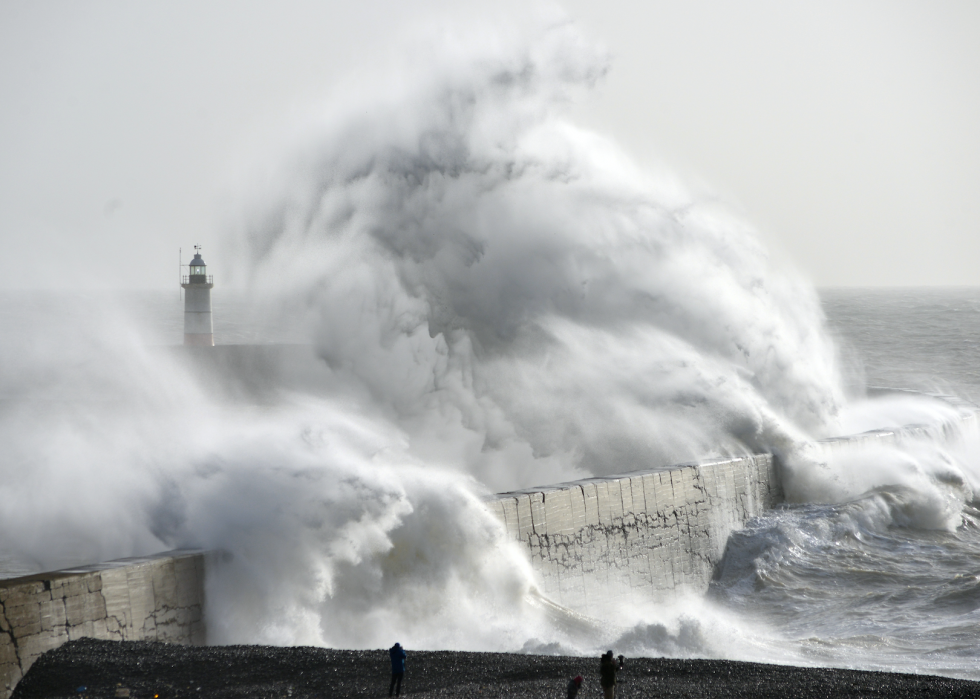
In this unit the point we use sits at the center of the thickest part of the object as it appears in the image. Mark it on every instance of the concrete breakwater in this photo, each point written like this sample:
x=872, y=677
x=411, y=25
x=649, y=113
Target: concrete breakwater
x=660, y=532
x=655, y=533
x=158, y=597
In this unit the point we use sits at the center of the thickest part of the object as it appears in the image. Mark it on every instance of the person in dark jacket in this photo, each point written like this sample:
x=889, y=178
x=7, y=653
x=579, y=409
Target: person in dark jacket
x=607, y=674
x=574, y=685
x=398, y=656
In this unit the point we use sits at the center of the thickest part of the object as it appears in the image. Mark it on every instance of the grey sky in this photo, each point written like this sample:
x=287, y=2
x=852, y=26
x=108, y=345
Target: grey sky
x=847, y=132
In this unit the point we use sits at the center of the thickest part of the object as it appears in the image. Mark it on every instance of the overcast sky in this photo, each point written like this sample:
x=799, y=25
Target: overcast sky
x=847, y=132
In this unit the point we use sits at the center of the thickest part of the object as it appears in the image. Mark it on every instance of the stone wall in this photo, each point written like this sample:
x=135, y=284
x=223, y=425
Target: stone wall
x=159, y=598
x=658, y=532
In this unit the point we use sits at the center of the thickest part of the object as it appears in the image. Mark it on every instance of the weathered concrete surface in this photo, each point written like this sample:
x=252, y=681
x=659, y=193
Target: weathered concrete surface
x=157, y=598
x=657, y=532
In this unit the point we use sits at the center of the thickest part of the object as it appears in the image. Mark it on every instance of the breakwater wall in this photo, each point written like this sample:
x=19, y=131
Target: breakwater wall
x=659, y=533
x=158, y=597
x=656, y=533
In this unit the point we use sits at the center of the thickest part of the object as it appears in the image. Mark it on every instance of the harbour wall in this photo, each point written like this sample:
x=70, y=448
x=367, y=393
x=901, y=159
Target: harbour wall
x=655, y=533
x=158, y=598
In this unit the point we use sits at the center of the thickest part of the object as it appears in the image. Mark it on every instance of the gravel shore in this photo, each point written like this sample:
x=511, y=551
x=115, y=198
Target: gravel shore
x=151, y=670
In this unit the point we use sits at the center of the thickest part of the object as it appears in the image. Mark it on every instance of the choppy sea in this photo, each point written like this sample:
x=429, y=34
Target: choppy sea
x=852, y=584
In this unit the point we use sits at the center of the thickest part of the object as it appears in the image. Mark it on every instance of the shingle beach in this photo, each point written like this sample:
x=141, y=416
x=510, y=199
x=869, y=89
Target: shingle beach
x=89, y=669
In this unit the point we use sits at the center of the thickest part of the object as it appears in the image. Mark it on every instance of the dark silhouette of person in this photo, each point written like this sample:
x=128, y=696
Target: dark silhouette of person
x=398, y=656
x=607, y=674
x=574, y=685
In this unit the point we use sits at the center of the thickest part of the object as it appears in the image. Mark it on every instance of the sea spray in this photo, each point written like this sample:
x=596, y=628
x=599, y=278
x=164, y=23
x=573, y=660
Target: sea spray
x=326, y=531
x=520, y=298
x=925, y=446
x=498, y=299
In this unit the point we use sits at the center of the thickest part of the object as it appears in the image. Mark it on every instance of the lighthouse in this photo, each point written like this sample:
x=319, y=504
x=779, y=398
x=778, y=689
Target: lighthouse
x=198, y=330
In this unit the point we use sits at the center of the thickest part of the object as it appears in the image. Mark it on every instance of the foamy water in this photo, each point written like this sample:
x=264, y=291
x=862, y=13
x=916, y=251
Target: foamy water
x=496, y=299
x=887, y=575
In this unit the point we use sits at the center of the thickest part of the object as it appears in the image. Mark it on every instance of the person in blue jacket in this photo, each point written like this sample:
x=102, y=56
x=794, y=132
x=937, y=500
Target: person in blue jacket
x=398, y=655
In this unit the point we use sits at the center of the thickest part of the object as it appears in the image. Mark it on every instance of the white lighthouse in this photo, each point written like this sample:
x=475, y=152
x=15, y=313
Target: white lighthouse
x=198, y=329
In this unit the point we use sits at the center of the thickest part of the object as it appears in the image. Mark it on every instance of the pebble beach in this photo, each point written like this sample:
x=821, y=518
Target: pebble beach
x=91, y=669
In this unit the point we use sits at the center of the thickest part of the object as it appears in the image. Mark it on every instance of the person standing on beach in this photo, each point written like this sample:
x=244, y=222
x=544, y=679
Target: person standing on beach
x=398, y=656
x=574, y=685
x=607, y=674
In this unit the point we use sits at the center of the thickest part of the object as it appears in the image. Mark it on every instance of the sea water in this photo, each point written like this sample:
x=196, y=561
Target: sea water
x=855, y=584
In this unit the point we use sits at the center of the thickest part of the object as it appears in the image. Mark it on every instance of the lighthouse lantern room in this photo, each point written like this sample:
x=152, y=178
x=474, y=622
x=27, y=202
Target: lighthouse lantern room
x=198, y=328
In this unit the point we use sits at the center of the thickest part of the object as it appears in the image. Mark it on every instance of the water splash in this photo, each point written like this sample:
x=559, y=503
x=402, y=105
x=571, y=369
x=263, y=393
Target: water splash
x=521, y=299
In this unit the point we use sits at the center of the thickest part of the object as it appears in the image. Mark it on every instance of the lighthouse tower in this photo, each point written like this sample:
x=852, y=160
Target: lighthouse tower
x=198, y=329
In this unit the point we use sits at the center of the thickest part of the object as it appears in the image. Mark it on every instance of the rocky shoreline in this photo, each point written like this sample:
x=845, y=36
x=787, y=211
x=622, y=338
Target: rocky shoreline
x=91, y=669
